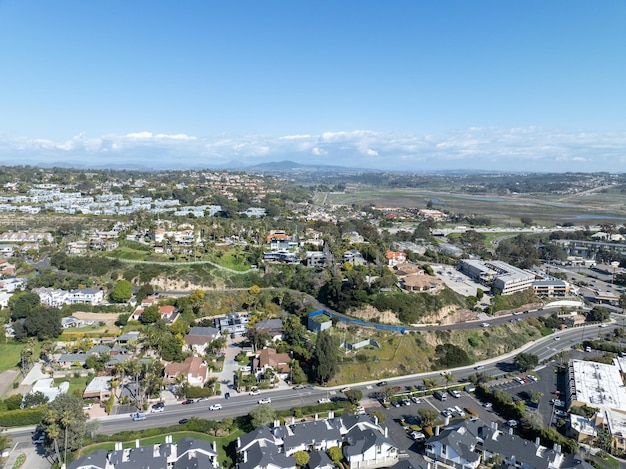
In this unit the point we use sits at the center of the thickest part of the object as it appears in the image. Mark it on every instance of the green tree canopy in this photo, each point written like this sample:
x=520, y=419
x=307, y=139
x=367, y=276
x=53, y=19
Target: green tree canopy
x=354, y=395
x=150, y=315
x=66, y=413
x=525, y=361
x=122, y=292
x=262, y=415
x=302, y=458
x=22, y=303
x=325, y=357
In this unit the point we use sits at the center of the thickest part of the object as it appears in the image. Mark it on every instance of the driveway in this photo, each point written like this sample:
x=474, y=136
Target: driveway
x=227, y=376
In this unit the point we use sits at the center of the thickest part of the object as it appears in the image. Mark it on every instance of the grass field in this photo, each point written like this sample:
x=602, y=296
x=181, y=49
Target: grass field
x=504, y=210
x=10, y=356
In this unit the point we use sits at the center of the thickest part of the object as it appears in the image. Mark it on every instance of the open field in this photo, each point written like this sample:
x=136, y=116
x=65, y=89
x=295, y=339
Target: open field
x=10, y=355
x=592, y=208
x=414, y=352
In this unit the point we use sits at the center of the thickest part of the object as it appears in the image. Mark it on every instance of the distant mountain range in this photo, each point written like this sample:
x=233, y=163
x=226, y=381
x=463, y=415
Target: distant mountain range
x=272, y=167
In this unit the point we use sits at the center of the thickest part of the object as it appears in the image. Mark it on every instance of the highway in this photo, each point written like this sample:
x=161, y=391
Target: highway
x=288, y=398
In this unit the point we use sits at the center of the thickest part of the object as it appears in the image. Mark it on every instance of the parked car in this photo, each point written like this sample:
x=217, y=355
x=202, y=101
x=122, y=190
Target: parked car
x=40, y=440
x=415, y=400
x=487, y=405
x=215, y=407
x=184, y=421
x=323, y=400
x=188, y=401
x=158, y=407
x=560, y=413
x=417, y=436
x=255, y=392
x=265, y=400
x=512, y=423
x=88, y=406
x=227, y=395
x=455, y=393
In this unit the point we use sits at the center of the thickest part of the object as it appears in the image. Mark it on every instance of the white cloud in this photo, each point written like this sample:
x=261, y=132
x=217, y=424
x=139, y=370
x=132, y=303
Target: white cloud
x=528, y=148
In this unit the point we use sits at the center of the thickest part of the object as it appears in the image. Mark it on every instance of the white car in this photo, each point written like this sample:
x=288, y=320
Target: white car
x=265, y=400
x=88, y=406
x=512, y=423
x=485, y=324
x=215, y=407
x=323, y=400
x=255, y=392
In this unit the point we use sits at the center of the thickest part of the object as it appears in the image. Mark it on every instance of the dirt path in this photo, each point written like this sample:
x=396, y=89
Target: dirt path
x=6, y=381
x=109, y=318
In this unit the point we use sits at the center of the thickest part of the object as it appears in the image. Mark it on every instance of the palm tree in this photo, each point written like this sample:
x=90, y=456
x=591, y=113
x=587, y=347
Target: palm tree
x=66, y=421
x=53, y=433
x=448, y=378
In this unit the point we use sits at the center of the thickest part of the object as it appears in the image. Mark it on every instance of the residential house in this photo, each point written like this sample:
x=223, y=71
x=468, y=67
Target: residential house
x=186, y=454
x=92, y=296
x=269, y=358
x=315, y=259
x=353, y=237
x=365, y=444
x=199, y=337
x=354, y=257
x=52, y=297
x=234, y=323
x=71, y=321
x=193, y=369
x=67, y=360
x=98, y=388
x=273, y=327
x=168, y=313
x=454, y=448
x=395, y=257
x=47, y=388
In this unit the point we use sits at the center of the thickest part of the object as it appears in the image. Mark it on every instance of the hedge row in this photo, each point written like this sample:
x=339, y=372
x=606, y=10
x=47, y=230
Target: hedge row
x=21, y=417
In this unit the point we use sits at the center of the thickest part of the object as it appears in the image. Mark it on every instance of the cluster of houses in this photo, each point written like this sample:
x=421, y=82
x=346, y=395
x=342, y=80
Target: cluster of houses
x=65, y=199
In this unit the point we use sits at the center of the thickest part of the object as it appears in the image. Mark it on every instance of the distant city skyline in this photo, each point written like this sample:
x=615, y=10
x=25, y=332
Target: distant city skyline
x=415, y=86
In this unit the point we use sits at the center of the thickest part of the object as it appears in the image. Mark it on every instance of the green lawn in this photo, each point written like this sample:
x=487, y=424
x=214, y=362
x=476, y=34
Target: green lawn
x=10, y=356
x=76, y=384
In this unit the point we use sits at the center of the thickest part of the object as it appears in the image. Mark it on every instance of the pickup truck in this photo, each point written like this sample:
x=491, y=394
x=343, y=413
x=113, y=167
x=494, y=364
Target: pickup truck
x=138, y=416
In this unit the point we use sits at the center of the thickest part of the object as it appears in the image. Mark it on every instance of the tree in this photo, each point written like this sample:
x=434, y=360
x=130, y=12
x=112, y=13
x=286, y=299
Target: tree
x=598, y=314
x=526, y=221
x=262, y=415
x=65, y=413
x=354, y=395
x=525, y=361
x=427, y=416
x=150, y=315
x=13, y=402
x=379, y=415
x=302, y=458
x=122, y=292
x=43, y=322
x=335, y=454
x=34, y=399
x=22, y=303
x=325, y=360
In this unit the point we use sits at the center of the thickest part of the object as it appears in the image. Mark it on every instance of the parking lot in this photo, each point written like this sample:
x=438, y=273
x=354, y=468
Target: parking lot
x=546, y=384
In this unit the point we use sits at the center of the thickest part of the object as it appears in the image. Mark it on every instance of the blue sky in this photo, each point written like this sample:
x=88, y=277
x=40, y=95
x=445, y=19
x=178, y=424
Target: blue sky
x=417, y=85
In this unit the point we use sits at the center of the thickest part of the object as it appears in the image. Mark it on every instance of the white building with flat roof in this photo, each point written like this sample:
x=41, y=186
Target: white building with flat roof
x=498, y=275
x=600, y=386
